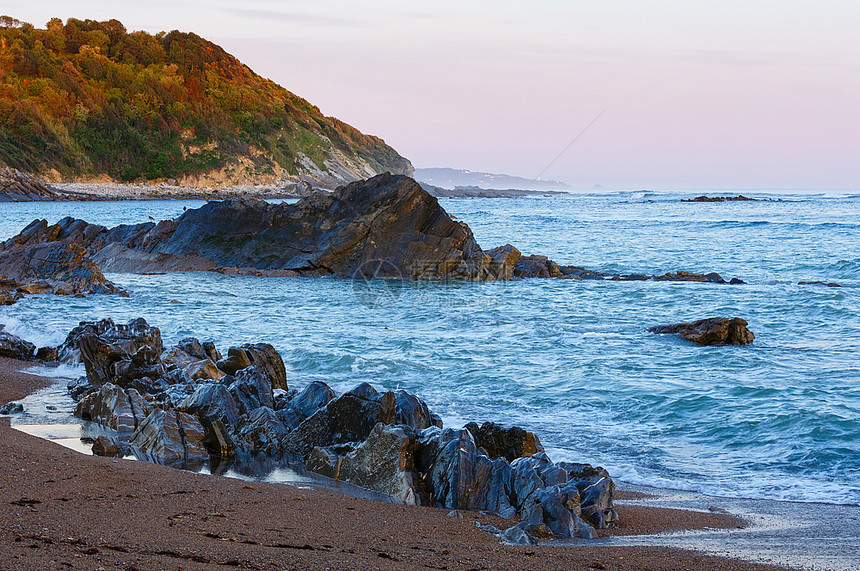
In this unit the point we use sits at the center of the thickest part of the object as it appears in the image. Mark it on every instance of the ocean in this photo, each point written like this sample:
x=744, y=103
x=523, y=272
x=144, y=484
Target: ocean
x=569, y=360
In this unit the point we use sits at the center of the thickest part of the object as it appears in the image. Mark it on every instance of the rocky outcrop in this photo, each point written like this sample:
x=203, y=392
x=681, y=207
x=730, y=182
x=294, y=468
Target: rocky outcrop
x=712, y=331
x=16, y=186
x=383, y=227
x=54, y=259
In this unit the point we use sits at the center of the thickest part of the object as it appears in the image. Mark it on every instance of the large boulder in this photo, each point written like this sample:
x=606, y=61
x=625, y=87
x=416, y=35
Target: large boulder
x=458, y=476
x=384, y=462
x=503, y=261
x=171, y=438
x=500, y=442
x=125, y=340
x=14, y=347
x=712, y=331
x=348, y=418
x=413, y=412
x=114, y=407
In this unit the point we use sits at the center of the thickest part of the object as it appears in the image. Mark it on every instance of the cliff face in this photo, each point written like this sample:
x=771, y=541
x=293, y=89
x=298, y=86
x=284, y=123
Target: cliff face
x=88, y=100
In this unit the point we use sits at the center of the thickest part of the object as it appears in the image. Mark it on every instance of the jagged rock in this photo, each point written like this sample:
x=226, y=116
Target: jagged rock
x=12, y=408
x=200, y=370
x=99, y=357
x=251, y=390
x=596, y=491
x=14, y=347
x=212, y=402
x=312, y=398
x=218, y=441
x=69, y=351
x=263, y=356
x=549, y=506
x=458, y=476
x=713, y=331
x=826, y=284
x=170, y=438
x=262, y=432
x=114, y=407
x=705, y=198
x=503, y=260
x=16, y=186
x=108, y=343
x=413, y=412
x=384, y=462
x=348, y=418
x=56, y=256
x=500, y=442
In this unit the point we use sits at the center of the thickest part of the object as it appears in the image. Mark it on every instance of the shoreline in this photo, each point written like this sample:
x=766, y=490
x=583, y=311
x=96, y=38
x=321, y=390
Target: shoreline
x=79, y=509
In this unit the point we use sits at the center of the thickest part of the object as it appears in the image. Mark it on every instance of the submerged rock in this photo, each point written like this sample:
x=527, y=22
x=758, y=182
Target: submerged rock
x=712, y=331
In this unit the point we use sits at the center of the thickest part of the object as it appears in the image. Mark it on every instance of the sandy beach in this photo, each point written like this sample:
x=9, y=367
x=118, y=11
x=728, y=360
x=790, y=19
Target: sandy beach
x=64, y=510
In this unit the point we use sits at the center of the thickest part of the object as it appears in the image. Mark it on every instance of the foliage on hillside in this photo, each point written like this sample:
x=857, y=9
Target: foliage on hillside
x=88, y=97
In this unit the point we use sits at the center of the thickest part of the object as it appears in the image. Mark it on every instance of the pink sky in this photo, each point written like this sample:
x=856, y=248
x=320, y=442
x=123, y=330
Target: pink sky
x=730, y=94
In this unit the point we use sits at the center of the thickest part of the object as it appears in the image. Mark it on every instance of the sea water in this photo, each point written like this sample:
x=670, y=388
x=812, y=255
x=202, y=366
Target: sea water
x=569, y=360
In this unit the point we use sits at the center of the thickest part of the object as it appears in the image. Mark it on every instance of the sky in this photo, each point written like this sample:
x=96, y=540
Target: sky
x=687, y=94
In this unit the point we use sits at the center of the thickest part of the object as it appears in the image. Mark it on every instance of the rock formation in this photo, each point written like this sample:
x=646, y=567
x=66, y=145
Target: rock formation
x=384, y=227
x=172, y=407
x=712, y=331
x=16, y=186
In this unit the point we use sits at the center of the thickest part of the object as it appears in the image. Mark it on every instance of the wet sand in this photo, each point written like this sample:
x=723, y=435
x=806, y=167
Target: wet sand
x=64, y=510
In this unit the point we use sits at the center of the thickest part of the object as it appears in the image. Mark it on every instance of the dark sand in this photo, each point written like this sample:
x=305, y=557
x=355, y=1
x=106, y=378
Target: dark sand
x=64, y=510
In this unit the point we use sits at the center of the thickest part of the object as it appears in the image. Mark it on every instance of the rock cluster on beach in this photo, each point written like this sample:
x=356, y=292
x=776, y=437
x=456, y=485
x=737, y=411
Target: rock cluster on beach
x=187, y=405
x=384, y=227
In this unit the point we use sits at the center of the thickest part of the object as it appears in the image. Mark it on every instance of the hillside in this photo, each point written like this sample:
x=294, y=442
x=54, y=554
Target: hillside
x=88, y=100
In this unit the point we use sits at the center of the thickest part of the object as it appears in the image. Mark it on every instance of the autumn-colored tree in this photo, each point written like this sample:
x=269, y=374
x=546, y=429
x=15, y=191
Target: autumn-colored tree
x=89, y=97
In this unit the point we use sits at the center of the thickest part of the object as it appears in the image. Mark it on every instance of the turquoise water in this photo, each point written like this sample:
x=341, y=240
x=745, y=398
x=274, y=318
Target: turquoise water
x=570, y=360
